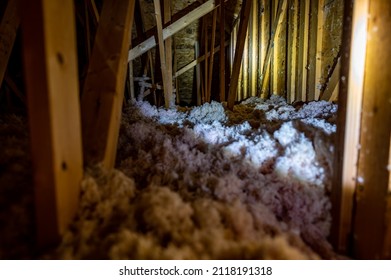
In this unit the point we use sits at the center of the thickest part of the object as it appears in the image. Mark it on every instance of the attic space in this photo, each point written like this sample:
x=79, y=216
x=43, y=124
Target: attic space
x=210, y=129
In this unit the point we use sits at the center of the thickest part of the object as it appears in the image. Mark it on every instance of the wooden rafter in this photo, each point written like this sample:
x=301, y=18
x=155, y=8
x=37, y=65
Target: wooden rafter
x=105, y=82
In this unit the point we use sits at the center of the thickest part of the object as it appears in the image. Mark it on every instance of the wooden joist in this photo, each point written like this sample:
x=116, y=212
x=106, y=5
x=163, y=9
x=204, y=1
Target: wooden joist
x=8, y=28
x=173, y=28
x=348, y=125
x=244, y=18
x=277, y=24
x=212, y=53
x=105, y=82
x=50, y=63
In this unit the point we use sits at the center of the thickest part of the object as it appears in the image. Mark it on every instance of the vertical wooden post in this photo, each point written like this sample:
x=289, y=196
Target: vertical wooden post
x=301, y=90
x=372, y=192
x=254, y=48
x=168, y=49
x=212, y=50
x=293, y=17
x=54, y=113
x=8, y=27
x=348, y=125
x=274, y=57
x=244, y=17
x=222, y=51
x=264, y=38
x=105, y=82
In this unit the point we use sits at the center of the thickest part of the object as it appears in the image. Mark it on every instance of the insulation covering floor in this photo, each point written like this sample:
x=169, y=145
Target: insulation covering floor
x=199, y=183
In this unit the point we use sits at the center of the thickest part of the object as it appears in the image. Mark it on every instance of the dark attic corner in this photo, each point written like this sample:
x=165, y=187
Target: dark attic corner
x=252, y=129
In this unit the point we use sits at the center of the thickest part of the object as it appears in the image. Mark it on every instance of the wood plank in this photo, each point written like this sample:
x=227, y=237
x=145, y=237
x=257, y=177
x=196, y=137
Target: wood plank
x=222, y=53
x=244, y=18
x=198, y=73
x=8, y=28
x=50, y=63
x=105, y=82
x=275, y=54
x=348, y=125
x=301, y=90
x=372, y=192
x=205, y=34
x=293, y=17
x=277, y=24
x=173, y=28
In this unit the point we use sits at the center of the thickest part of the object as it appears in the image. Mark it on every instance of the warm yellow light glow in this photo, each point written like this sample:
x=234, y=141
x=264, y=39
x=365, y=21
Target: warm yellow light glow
x=359, y=44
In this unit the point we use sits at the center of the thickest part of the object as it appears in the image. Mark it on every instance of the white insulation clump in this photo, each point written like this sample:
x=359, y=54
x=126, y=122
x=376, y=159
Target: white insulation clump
x=207, y=183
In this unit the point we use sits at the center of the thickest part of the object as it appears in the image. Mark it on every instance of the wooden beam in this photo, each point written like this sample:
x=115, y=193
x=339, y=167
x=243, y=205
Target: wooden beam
x=168, y=50
x=301, y=90
x=348, y=124
x=205, y=34
x=293, y=17
x=173, y=28
x=277, y=24
x=8, y=28
x=372, y=193
x=222, y=53
x=254, y=48
x=50, y=63
x=105, y=82
x=244, y=18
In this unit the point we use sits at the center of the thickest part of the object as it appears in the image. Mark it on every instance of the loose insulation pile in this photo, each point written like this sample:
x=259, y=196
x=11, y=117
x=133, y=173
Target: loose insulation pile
x=208, y=183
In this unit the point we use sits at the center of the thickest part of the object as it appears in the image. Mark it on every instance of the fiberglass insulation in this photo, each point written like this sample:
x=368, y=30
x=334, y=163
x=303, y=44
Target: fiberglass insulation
x=207, y=183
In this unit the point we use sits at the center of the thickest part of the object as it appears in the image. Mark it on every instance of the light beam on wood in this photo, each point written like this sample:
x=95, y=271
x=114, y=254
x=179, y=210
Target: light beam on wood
x=105, y=82
x=348, y=131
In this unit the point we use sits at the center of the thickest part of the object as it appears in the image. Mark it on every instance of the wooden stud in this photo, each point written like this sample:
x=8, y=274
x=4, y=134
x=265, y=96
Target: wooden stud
x=293, y=17
x=275, y=55
x=244, y=18
x=372, y=192
x=301, y=89
x=319, y=49
x=264, y=37
x=222, y=53
x=277, y=24
x=105, y=82
x=198, y=74
x=50, y=62
x=168, y=49
x=8, y=28
x=206, y=50
x=254, y=49
x=348, y=124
